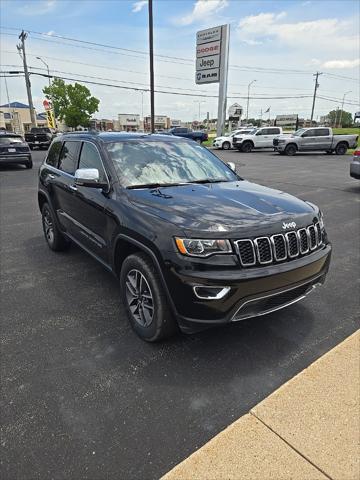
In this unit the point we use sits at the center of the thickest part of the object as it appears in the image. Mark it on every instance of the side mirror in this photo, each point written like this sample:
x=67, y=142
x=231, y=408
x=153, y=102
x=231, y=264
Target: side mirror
x=89, y=177
x=232, y=166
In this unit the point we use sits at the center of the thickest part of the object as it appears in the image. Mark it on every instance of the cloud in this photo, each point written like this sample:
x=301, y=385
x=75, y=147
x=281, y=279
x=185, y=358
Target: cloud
x=342, y=63
x=203, y=9
x=41, y=8
x=138, y=6
x=312, y=34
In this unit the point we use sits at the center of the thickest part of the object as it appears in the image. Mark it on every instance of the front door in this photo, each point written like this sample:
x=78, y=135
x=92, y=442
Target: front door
x=88, y=206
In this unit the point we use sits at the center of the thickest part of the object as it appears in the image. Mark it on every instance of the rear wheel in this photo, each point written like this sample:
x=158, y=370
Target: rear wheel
x=290, y=150
x=226, y=146
x=144, y=299
x=53, y=236
x=341, y=149
x=247, y=147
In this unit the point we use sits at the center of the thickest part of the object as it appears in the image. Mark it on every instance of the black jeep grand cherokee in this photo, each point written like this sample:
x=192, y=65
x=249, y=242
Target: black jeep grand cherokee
x=193, y=244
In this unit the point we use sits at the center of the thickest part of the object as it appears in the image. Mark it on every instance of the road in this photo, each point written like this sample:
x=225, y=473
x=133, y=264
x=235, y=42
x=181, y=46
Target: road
x=84, y=398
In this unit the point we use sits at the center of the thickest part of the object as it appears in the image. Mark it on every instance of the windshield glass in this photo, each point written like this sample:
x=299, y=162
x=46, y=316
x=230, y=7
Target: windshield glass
x=299, y=132
x=8, y=140
x=148, y=162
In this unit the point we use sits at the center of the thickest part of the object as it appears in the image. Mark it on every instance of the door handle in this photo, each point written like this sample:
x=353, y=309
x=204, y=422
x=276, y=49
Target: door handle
x=51, y=176
x=73, y=187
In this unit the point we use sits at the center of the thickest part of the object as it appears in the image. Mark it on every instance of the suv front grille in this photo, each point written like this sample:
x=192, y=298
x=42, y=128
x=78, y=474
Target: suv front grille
x=279, y=247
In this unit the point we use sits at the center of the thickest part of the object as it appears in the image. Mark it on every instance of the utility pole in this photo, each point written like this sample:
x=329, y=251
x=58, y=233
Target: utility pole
x=21, y=47
x=151, y=52
x=316, y=75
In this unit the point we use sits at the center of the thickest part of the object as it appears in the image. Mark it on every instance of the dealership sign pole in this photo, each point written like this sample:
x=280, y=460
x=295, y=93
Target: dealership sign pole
x=212, y=65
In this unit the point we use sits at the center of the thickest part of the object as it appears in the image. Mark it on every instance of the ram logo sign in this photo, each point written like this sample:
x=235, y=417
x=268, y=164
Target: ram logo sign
x=286, y=226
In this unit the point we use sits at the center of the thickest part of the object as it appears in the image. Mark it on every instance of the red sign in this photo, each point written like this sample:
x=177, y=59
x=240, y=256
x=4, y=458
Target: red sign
x=47, y=105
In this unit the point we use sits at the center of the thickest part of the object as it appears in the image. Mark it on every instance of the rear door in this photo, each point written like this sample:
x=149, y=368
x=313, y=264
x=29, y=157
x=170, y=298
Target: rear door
x=87, y=209
x=63, y=187
x=323, y=139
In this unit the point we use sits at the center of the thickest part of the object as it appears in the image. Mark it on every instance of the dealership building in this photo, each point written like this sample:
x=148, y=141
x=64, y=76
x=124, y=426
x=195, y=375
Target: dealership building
x=15, y=117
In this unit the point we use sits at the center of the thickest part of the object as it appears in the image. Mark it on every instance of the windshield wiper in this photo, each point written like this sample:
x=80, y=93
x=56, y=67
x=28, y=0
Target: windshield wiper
x=210, y=180
x=156, y=185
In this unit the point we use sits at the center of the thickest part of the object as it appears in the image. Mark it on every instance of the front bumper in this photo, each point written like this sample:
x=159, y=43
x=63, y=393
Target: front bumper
x=15, y=158
x=253, y=291
x=355, y=169
x=280, y=147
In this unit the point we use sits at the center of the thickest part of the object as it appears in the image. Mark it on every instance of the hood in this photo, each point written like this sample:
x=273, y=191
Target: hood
x=223, y=138
x=224, y=207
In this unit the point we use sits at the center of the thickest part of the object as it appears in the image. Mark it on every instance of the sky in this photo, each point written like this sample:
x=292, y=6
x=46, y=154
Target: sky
x=278, y=43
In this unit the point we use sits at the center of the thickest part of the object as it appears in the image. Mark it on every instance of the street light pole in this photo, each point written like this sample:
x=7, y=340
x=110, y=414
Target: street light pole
x=47, y=67
x=248, y=98
x=342, y=108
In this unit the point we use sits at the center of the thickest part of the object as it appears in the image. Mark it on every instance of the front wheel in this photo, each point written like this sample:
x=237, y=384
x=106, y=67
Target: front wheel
x=290, y=150
x=247, y=147
x=226, y=146
x=53, y=236
x=341, y=149
x=144, y=299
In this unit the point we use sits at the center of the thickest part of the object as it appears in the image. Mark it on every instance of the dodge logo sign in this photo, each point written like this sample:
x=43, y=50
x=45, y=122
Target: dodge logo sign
x=285, y=225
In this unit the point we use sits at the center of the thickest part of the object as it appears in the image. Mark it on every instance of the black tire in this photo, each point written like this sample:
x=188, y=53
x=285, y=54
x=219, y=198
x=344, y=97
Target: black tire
x=53, y=236
x=290, y=150
x=247, y=147
x=29, y=164
x=226, y=146
x=147, y=308
x=341, y=148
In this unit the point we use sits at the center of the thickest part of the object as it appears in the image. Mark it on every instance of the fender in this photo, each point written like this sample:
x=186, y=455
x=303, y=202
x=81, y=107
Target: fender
x=153, y=256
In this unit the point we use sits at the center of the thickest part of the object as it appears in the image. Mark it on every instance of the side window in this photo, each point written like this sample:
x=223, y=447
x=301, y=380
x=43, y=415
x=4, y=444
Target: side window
x=322, y=132
x=69, y=157
x=273, y=131
x=90, y=158
x=53, y=154
x=309, y=133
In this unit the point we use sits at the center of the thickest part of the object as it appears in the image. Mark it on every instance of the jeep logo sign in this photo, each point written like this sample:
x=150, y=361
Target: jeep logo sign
x=285, y=225
x=205, y=63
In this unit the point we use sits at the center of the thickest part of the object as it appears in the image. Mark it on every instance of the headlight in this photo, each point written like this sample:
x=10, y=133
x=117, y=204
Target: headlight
x=202, y=248
x=321, y=220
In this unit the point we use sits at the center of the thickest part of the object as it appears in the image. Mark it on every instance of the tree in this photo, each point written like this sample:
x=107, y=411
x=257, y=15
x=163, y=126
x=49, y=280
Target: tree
x=334, y=118
x=72, y=104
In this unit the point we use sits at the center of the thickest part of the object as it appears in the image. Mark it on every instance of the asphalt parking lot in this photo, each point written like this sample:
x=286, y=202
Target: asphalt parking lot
x=83, y=398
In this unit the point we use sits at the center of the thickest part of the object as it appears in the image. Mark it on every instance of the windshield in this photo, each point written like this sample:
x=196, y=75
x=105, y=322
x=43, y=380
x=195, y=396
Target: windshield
x=148, y=162
x=40, y=130
x=8, y=140
x=299, y=132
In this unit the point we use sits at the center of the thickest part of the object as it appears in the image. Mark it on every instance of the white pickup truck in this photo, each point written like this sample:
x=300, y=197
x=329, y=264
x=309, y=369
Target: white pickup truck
x=226, y=142
x=314, y=139
x=258, y=138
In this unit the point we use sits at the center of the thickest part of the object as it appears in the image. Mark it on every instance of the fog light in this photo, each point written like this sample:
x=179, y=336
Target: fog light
x=210, y=293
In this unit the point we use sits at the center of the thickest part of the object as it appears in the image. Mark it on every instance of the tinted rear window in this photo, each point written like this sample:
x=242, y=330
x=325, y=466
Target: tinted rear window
x=322, y=132
x=53, y=155
x=69, y=157
x=9, y=139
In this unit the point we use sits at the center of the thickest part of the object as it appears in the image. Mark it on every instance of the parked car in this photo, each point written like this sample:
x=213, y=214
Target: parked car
x=355, y=165
x=40, y=137
x=14, y=149
x=193, y=244
x=226, y=142
x=196, y=135
x=314, y=140
x=258, y=138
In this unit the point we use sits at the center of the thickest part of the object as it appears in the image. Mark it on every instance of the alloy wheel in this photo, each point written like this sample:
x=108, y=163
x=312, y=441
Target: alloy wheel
x=139, y=298
x=48, y=227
